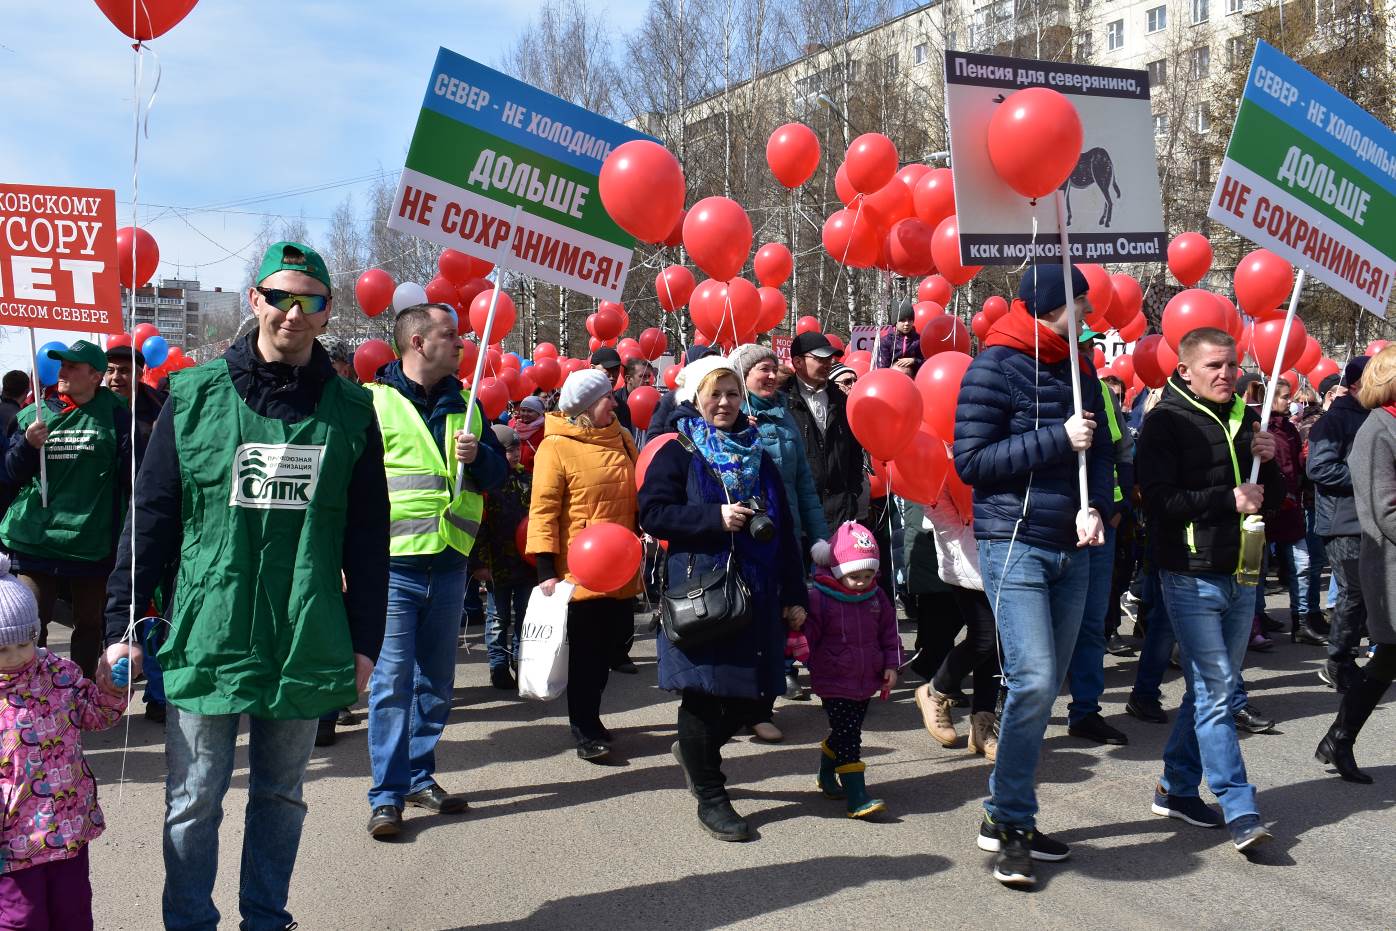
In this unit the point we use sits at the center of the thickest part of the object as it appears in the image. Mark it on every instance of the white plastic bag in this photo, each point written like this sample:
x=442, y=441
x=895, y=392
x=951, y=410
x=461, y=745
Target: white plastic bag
x=543, y=644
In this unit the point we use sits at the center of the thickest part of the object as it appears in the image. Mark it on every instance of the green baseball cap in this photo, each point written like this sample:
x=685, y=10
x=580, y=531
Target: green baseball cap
x=82, y=351
x=1087, y=334
x=294, y=257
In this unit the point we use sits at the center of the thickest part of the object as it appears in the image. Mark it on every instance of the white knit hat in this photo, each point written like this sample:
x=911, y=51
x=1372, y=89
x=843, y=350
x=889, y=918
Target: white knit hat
x=695, y=372
x=19, y=612
x=582, y=389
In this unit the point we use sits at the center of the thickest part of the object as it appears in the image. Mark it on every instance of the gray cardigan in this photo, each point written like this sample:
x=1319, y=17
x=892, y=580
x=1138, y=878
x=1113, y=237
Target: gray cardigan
x=1373, y=466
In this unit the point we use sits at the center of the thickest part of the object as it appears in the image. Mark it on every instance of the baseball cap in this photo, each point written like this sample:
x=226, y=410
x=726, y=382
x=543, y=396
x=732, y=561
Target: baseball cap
x=1087, y=334
x=606, y=357
x=294, y=257
x=125, y=352
x=82, y=351
x=813, y=344
x=1352, y=372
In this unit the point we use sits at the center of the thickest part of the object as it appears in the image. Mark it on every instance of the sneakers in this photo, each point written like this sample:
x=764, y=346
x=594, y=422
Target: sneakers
x=1187, y=808
x=1041, y=846
x=1146, y=709
x=1093, y=727
x=984, y=734
x=935, y=714
x=1250, y=720
x=1247, y=832
x=1016, y=849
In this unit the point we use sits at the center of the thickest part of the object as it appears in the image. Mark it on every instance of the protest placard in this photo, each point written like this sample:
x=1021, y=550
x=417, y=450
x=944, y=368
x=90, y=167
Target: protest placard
x=1114, y=211
x=1311, y=176
x=58, y=258
x=486, y=143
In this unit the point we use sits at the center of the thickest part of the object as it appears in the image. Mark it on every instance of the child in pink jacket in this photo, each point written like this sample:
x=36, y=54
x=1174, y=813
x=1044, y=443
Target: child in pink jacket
x=854, y=652
x=48, y=797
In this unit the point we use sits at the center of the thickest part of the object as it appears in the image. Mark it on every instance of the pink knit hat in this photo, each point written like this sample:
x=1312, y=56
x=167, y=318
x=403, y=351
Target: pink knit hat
x=853, y=548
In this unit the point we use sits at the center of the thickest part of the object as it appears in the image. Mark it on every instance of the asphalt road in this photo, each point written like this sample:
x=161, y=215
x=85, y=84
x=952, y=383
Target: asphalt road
x=552, y=842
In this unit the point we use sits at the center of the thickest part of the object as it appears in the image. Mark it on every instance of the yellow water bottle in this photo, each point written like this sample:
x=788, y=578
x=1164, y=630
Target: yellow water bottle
x=1252, y=550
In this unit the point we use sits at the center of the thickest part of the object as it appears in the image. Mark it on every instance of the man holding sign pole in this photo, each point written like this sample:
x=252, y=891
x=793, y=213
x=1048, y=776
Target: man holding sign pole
x=1018, y=439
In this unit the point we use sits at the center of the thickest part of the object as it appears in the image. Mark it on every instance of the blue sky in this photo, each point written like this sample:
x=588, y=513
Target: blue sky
x=255, y=96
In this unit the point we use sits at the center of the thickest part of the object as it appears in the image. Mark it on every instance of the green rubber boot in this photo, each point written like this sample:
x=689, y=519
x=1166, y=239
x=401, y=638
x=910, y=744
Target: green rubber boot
x=856, y=791
x=828, y=780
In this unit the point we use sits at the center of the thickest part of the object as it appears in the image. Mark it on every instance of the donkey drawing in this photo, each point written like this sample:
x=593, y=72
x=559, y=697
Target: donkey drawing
x=1094, y=168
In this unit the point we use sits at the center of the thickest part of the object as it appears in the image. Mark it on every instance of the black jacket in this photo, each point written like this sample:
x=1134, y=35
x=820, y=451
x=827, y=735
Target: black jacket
x=283, y=392
x=1330, y=444
x=835, y=455
x=667, y=414
x=1187, y=479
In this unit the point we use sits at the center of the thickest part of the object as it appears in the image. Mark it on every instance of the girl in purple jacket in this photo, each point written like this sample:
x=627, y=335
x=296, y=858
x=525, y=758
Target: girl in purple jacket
x=854, y=653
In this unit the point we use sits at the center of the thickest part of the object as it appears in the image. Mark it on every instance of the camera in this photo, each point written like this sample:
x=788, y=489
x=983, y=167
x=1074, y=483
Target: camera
x=761, y=527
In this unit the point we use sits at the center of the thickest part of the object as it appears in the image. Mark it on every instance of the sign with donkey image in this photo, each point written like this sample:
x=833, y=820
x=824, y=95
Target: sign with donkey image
x=1114, y=209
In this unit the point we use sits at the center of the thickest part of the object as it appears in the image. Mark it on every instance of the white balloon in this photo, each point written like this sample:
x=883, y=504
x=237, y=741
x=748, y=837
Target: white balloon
x=408, y=294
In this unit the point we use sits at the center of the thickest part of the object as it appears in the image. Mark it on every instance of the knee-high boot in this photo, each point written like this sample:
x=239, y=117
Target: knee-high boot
x=1336, y=747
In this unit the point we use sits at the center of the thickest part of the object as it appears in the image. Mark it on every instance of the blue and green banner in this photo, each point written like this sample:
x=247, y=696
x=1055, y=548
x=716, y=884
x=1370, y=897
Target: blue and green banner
x=1311, y=176
x=486, y=144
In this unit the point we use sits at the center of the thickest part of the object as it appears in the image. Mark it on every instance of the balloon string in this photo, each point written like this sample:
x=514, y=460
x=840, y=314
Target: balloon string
x=838, y=273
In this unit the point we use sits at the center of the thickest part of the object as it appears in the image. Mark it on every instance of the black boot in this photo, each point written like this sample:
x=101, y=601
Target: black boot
x=1302, y=631
x=721, y=821
x=1336, y=747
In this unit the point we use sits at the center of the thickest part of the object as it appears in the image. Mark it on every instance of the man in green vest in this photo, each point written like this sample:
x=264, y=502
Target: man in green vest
x=264, y=483
x=435, y=521
x=84, y=439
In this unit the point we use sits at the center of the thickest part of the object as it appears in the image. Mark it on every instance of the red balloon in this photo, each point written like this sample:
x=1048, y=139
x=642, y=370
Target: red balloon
x=652, y=448
x=544, y=351
x=493, y=397
x=605, y=324
x=945, y=248
x=146, y=260
x=522, y=386
x=843, y=187
x=925, y=312
x=935, y=289
x=860, y=360
x=717, y=234
x=773, y=264
x=1263, y=280
x=593, y=343
x=884, y=411
x=871, y=161
x=773, y=308
x=521, y=542
x=995, y=307
x=547, y=374
x=1374, y=347
x=1265, y=345
x=938, y=381
x=807, y=325
x=851, y=238
x=119, y=339
x=374, y=291
x=960, y=493
x=617, y=308
x=456, y=267
x=1124, y=368
x=441, y=291
x=980, y=324
x=1035, y=141
x=653, y=342
x=1292, y=377
x=1134, y=329
x=671, y=375
x=934, y=197
x=675, y=237
x=1101, y=291
x=1129, y=300
x=674, y=286
x=604, y=557
x=371, y=355
x=465, y=369
x=792, y=152
x=877, y=482
x=909, y=246
x=1313, y=352
x=504, y=315
x=1243, y=342
x=724, y=312
x=643, y=401
x=1154, y=360
x=511, y=361
x=629, y=348
x=1191, y=310
x=892, y=201
x=147, y=20
x=918, y=473
x=642, y=188
x=1098, y=357
x=143, y=332
x=944, y=334
x=1189, y=258
x=465, y=296
x=835, y=340
x=1322, y=370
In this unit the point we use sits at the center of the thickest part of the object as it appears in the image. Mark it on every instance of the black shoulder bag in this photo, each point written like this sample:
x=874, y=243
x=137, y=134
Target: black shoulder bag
x=707, y=606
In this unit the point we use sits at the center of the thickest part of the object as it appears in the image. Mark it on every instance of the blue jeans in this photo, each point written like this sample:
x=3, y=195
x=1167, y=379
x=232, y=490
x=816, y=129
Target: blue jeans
x=1295, y=558
x=1212, y=619
x=1038, y=596
x=1087, y=671
x=504, y=614
x=152, y=636
x=199, y=753
x=1158, y=647
x=409, y=694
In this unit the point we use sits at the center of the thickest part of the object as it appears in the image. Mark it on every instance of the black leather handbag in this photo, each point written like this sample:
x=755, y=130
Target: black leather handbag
x=707, y=606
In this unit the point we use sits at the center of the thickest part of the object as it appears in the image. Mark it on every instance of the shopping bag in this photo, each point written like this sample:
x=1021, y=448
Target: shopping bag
x=543, y=644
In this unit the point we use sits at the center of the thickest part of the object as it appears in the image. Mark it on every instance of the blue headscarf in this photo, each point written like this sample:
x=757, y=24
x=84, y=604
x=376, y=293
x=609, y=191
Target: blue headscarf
x=735, y=454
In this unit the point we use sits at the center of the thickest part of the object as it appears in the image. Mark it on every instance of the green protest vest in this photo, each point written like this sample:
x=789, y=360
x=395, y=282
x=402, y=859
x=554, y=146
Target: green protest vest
x=425, y=517
x=1114, y=432
x=259, y=625
x=81, y=453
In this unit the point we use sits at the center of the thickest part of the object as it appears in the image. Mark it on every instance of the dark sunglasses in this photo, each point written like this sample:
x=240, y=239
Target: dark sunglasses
x=285, y=300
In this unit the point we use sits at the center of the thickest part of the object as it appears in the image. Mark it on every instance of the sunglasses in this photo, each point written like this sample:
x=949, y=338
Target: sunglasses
x=285, y=300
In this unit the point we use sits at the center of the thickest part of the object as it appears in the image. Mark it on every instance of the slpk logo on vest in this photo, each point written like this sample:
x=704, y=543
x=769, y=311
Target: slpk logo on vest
x=275, y=476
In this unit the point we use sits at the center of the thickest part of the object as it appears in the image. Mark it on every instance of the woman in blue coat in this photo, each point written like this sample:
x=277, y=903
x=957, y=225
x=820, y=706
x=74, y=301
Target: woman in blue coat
x=725, y=684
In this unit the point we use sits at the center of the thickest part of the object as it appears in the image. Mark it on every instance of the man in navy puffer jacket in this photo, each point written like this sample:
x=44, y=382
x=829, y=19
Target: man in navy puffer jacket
x=1016, y=442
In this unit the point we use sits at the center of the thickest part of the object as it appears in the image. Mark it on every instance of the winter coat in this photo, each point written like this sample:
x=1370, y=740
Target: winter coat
x=780, y=436
x=1330, y=445
x=835, y=455
x=851, y=643
x=681, y=503
x=50, y=809
x=1010, y=435
x=1187, y=481
x=919, y=554
x=957, y=553
x=496, y=548
x=1373, y=465
x=581, y=476
x=892, y=346
x=1285, y=524
x=667, y=413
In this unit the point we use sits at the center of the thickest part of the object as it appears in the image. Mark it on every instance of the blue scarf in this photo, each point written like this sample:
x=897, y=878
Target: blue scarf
x=736, y=455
